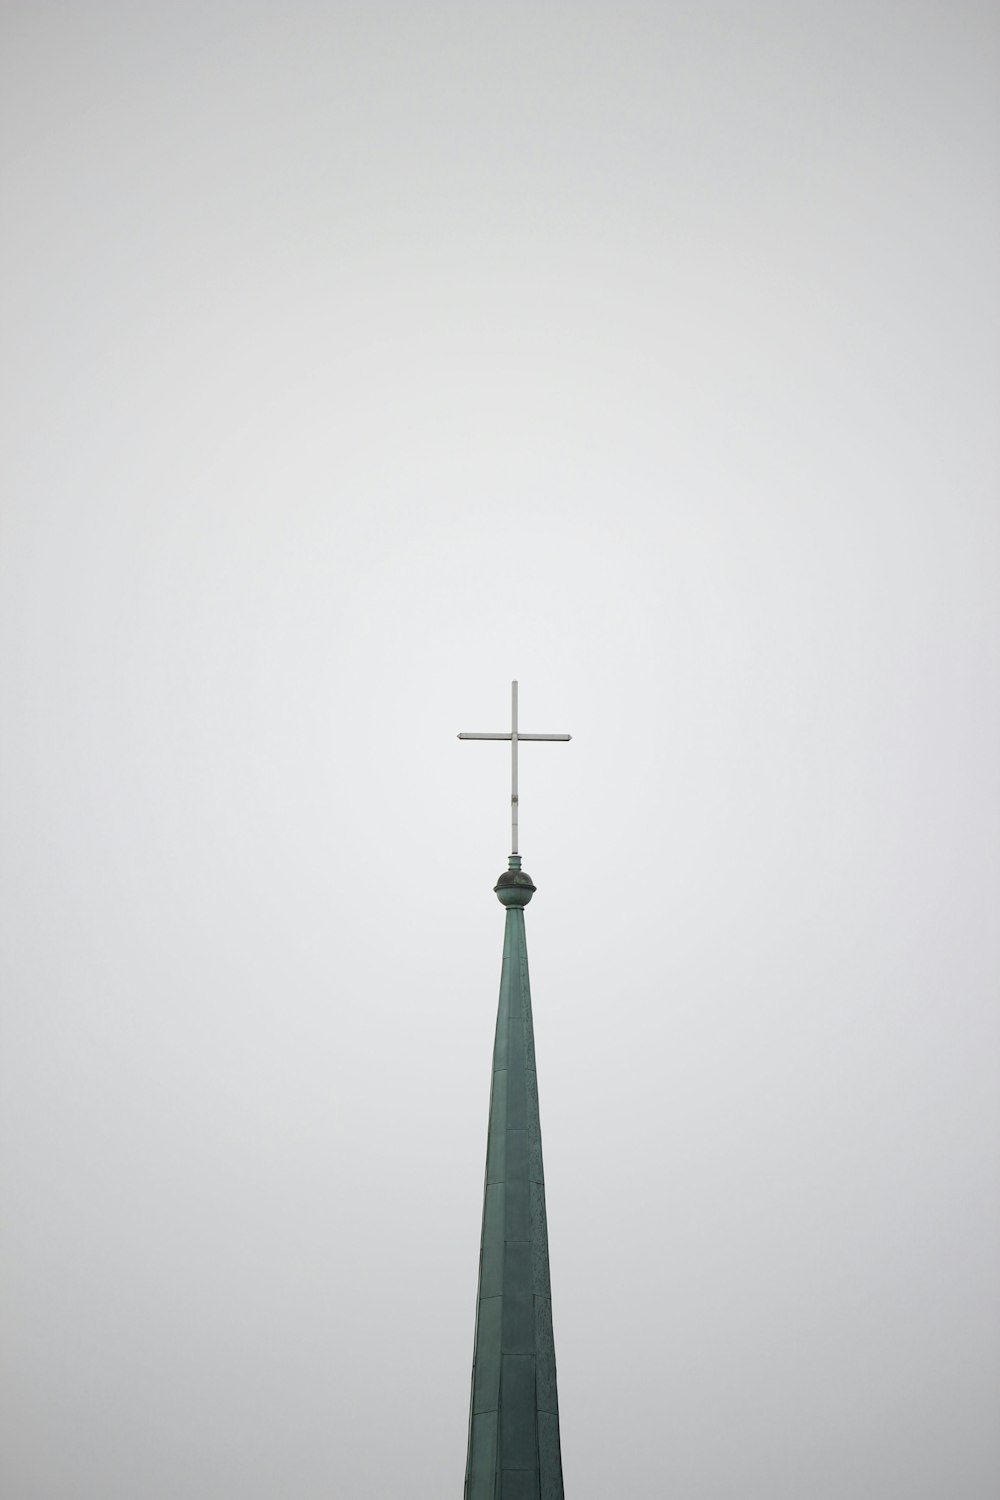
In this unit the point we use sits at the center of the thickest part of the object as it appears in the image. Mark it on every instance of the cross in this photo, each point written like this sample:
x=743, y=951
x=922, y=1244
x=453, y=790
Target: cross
x=515, y=736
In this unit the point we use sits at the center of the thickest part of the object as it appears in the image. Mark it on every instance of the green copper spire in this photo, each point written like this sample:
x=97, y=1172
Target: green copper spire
x=514, y=1418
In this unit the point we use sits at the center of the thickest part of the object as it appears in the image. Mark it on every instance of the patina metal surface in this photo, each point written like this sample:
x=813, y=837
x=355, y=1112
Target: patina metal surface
x=514, y=1449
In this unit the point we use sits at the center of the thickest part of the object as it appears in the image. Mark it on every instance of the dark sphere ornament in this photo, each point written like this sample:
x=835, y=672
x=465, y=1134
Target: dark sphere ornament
x=515, y=886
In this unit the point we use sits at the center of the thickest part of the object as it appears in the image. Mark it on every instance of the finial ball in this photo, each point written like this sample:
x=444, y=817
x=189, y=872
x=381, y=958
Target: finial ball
x=515, y=886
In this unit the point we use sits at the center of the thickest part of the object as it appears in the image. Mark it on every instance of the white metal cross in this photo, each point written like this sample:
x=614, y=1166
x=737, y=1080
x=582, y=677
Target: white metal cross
x=515, y=736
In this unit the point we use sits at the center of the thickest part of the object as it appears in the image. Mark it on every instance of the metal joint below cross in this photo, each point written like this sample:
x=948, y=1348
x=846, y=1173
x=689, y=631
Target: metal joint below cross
x=515, y=736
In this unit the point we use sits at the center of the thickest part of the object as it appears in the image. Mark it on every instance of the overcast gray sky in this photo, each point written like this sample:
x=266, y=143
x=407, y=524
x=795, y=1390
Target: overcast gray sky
x=357, y=359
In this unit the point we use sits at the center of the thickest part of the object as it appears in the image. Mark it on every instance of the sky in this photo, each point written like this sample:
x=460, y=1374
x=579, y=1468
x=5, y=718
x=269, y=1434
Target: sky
x=356, y=360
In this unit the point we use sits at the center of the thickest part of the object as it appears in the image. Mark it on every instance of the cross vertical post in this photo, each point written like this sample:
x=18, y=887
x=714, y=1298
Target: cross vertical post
x=513, y=767
x=515, y=737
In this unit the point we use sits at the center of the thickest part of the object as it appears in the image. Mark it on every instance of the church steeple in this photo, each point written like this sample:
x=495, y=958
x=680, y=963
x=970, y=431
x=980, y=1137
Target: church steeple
x=514, y=1451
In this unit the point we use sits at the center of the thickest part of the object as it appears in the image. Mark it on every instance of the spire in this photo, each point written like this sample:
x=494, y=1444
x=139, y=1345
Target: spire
x=514, y=1415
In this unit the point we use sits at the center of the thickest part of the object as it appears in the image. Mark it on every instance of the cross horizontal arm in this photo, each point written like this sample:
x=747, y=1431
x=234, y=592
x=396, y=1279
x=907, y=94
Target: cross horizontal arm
x=486, y=736
x=520, y=736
